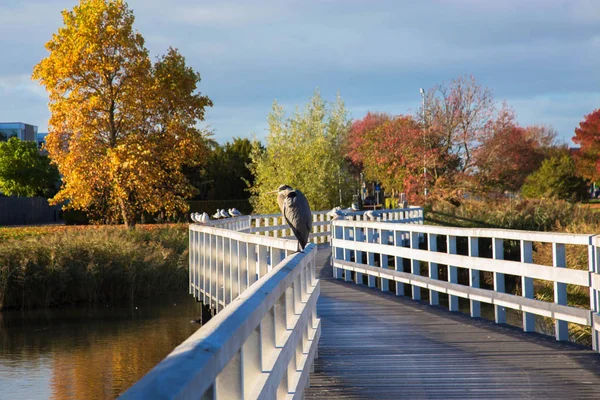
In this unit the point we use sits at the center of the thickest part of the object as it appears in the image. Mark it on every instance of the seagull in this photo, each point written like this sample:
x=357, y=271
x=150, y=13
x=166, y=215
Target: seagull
x=234, y=212
x=336, y=213
x=371, y=214
x=224, y=213
x=217, y=215
x=204, y=218
x=194, y=217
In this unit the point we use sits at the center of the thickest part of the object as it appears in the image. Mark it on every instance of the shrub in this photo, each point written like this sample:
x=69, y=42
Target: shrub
x=555, y=179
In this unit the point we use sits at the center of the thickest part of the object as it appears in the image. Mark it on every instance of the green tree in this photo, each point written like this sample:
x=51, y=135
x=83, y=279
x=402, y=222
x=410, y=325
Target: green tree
x=556, y=178
x=24, y=171
x=226, y=175
x=305, y=152
x=121, y=127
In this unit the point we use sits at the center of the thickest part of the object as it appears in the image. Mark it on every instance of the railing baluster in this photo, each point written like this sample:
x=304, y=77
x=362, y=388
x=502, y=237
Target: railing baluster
x=385, y=283
x=452, y=274
x=499, y=286
x=434, y=295
x=263, y=266
x=559, y=260
x=359, y=237
x=371, y=256
x=415, y=265
x=244, y=266
x=251, y=362
x=474, y=276
x=399, y=261
x=226, y=270
x=527, y=285
x=593, y=258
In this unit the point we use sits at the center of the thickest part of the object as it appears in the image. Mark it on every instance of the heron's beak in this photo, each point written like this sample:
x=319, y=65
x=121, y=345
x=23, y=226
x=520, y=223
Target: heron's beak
x=273, y=192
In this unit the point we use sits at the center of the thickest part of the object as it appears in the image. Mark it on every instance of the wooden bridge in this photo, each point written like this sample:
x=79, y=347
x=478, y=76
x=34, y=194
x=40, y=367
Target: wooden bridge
x=364, y=338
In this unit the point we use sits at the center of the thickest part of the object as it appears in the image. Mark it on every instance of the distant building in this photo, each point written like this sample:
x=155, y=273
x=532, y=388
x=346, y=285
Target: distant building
x=41, y=139
x=18, y=129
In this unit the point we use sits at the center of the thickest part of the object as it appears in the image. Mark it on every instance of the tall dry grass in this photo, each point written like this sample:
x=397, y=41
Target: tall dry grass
x=50, y=267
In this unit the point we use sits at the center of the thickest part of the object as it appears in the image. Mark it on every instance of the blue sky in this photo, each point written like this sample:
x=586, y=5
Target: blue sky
x=541, y=56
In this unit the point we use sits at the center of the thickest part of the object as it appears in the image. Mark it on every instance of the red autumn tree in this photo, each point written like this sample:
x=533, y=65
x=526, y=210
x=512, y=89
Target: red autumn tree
x=587, y=135
x=391, y=150
x=358, y=133
x=509, y=153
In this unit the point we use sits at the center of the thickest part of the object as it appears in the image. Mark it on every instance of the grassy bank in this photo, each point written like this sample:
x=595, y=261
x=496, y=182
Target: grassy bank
x=531, y=215
x=57, y=265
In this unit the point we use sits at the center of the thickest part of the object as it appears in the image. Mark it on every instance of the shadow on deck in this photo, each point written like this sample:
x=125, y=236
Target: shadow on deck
x=377, y=345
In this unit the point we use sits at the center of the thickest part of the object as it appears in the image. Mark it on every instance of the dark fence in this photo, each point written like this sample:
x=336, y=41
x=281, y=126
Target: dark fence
x=28, y=211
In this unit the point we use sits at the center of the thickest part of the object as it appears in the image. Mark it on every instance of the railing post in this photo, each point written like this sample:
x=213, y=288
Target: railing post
x=251, y=362
x=594, y=299
x=235, y=269
x=192, y=263
x=499, y=286
x=263, y=267
x=219, y=273
x=229, y=384
x=384, y=235
x=527, y=285
x=474, y=276
x=399, y=262
x=244, y=266
x=452, y=274
x=415, y=265
x=434, y=295
x=559, y=260
x=211, y=273
x=371, y=256
x=226, y=270
x=337, y=253
x=358, y=237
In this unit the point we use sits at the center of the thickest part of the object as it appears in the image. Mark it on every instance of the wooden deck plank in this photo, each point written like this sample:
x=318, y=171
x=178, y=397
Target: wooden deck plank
x=377, y=345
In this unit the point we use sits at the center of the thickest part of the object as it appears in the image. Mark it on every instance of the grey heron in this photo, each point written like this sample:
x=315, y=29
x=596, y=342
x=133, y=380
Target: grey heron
x=296, y=212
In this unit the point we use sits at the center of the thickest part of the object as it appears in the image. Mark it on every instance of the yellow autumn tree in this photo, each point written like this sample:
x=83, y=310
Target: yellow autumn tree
x=121, y=127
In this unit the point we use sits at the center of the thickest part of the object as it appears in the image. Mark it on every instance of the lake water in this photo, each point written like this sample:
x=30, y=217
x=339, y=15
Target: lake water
x=89, y=352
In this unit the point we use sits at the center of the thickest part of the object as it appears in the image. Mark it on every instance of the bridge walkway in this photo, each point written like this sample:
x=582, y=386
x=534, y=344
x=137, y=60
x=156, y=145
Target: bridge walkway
x=375, y=345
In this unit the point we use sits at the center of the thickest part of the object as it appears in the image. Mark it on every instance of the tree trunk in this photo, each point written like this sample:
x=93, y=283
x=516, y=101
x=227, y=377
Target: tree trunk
x=128, y=220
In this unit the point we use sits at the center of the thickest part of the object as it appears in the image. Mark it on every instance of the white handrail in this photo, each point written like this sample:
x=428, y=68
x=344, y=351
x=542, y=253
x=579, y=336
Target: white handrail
x=262, y=346
x=263, y=341
x=274, y=225
x=387, y=245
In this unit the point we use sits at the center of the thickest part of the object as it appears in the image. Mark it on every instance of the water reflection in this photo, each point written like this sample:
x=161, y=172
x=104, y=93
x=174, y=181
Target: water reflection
x=89, y=353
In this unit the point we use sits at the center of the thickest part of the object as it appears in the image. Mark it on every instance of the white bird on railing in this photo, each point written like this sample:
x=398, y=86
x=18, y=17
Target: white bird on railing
x=217, y=215
x=372, y=214
x=193, y=217
x=223, y=213
x=234, y=212
x=336, y=213
x=204, y=218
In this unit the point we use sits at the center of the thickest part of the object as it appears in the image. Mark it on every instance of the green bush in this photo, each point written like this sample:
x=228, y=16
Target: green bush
x=555, y=179
x=104, y=264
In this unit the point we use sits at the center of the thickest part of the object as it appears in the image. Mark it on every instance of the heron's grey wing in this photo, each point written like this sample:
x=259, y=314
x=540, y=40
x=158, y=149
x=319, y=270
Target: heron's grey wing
x=297, y=214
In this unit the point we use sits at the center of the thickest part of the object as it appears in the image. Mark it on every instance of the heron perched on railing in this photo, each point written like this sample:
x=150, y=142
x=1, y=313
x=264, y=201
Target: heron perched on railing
x=296, y=212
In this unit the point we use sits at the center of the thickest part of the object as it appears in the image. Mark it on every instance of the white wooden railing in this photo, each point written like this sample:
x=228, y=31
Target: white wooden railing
x=263, y=341
x=386, y=245
x=274, y=225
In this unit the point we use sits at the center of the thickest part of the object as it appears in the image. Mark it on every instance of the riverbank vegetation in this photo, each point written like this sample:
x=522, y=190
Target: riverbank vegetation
x=52, y=266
